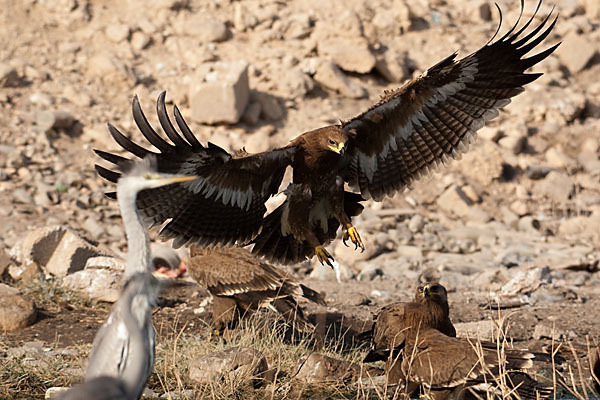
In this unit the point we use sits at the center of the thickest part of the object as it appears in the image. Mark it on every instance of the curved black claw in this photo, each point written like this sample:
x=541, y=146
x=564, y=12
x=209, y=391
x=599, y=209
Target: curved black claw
x=323, y=256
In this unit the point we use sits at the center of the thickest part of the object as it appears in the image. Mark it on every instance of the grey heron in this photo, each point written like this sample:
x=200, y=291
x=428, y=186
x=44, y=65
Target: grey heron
x=122, y=355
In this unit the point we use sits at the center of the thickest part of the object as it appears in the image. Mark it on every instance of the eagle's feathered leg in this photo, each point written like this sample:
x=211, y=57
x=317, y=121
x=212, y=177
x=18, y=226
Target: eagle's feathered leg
x=298, y=222
x=337, y=203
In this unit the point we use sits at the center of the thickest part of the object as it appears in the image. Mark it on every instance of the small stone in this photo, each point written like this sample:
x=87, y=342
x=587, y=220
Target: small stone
x=557, y=159
x=8, y=76
x=575, y=51
x=416, y=223
x=557, y=186
x=140, y=40
x=22, y=196
x=117, y=32
x=350, y=54
x=319, y=368
x=60, y=251
x=331, y=77
x=484, y=330
x=516, y=144
x=104, y=262
x=252, y=114
x=519, y=207
x=270, y=107
x=545, y=332
x=41, y=99
x=369, y=273
x=16, y=312
x=243, y=19
x=258, y=141
x=5, y=262
x=536, y=172
x=203, y=28
x=220, y=95
x=95, y=284
x=393, y=66
x=237, y=363
x=529, y=224
x=26, y=274
x=93, y=227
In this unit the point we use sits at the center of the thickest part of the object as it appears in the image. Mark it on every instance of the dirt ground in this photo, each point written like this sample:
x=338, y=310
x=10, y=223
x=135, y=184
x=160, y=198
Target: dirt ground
x=532, y=178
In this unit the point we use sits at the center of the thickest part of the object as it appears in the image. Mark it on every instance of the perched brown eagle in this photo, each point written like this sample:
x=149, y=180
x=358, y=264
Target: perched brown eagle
x=449, y=367
x=241, y=283
x=595, y=366
x=410, y=131
x=394, y=323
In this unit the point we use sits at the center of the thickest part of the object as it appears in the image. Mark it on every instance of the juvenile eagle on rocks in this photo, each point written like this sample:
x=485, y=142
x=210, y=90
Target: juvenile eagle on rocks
x=410, y=131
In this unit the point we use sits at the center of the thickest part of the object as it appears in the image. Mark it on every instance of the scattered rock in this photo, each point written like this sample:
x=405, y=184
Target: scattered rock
x=350, y=54
x=557, y=159
x=319, y=368
x=270, y=107
x=416, y=223
x=484, y=330
x=117, y=32
x=104, y=262
x=233, y=363
x=331, y=77
x=5, y=262
x=221, y=94
x=203, y=28
x=557, y=186
x=575, y=52
x=140, y=40
x=455, y=201
x=95, y=284
x=9, y=76
x=542, y=331
x=60, y=251
x=252, y=113
x=16, y=311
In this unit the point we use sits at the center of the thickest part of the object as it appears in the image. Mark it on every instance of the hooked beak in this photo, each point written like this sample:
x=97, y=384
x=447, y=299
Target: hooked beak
x=340, y=149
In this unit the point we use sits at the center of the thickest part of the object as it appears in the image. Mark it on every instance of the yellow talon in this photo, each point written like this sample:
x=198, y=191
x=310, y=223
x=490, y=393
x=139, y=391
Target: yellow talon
x=323, y=256
x=352, y=234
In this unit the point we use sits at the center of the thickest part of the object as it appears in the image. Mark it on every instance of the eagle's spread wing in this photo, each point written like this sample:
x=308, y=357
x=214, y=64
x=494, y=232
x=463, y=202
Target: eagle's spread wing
x=224, y=205
x=228, y=272
x=435, y=116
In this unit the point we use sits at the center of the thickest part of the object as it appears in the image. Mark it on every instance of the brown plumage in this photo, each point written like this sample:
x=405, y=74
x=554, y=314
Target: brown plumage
x=394, y=323
x=595, y=366
x=409, y=132
x=241, y=283
x=455, y=368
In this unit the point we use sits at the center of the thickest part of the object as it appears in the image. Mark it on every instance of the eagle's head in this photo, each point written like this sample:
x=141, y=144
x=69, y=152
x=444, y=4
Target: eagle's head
x=431, y=291
x=329, y=138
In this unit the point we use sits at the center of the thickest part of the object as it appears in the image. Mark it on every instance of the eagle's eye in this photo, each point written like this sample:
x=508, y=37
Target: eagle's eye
x=332, y=142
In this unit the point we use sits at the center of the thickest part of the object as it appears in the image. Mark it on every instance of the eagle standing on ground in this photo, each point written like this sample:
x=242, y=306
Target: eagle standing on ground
x=418, y=342
x=457, y=368
x=241, y=283
x=395, y=322
x=595, y=366
x=410, y=131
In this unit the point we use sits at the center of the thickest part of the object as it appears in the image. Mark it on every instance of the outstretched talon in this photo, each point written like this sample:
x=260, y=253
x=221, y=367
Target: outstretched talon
x=352, y=234
x=323, y=256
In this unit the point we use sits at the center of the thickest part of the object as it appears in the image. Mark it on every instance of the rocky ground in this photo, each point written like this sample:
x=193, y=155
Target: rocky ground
x=513, y=225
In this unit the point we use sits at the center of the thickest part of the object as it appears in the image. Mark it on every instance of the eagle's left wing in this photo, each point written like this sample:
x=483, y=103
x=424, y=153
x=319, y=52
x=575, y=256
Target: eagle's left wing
x=435, y=116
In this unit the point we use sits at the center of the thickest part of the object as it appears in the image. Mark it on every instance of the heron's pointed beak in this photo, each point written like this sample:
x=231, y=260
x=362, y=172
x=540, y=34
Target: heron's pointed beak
x=340, y=149
x=176, y=179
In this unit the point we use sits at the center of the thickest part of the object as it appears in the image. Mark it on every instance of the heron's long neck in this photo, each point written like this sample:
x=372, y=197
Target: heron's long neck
x=138, y=241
